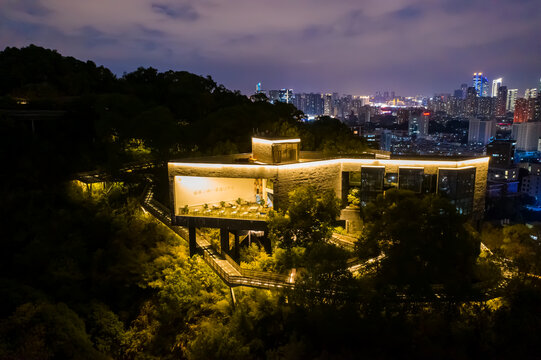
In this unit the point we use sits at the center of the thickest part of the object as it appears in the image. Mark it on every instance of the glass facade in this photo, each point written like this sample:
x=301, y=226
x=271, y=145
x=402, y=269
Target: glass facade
x=371, y=183
x=410, y=179
x=429, y=183
x=285, y=152
x=458, y=185
x=354, y=178
x=391, y=181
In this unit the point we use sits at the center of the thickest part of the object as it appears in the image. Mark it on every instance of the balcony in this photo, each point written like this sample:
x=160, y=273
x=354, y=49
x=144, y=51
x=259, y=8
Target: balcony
x=228, y=210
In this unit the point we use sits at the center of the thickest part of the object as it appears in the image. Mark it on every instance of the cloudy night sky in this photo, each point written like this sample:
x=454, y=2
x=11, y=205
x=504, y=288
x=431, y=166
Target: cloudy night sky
x=356, y=47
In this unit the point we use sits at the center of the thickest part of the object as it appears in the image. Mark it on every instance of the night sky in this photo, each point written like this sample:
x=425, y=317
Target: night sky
x=356, y=47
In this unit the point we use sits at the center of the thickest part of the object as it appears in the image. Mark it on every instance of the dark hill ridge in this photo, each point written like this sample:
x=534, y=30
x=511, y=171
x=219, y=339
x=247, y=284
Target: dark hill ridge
x=40, y=72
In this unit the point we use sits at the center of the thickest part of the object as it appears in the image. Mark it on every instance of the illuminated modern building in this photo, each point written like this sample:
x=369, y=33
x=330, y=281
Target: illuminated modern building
x=501, y=153
x=418, y=124
x=328, y=104
x=527, y=135
x=530, y=93
x=511, y=98
x=236, y=192
x=496, y=84
x=480, y=131
x=485, y=106
x=480, y=83
x=501, y=101
x=471, y=102
x=524, y=110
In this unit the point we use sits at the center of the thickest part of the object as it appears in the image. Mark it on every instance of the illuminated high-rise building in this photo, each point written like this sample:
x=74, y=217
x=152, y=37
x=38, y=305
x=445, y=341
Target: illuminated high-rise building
x=527, y=135
x=464, y=88
x=314, y=104
x=486, y=106
x=480, y=131
x=418, y=124
x=327, y=105
x=524, y=110
x=286, y=96
x=530, y=93
x=511, y=98
x=501, y=153
x=471, y=102
x=501, y=101
x=496, y=84
x=480, y=83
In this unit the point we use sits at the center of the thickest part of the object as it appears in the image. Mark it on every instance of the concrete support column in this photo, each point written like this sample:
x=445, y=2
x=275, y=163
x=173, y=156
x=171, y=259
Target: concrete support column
x=192, y=240
x=236, y=247
x=233, y=298
x=265, y=241
x=224, y=240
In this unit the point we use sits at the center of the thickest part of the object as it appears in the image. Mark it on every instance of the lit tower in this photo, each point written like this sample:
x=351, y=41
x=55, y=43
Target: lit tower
x=511, y=98
x=496, y=83
x=480, y=83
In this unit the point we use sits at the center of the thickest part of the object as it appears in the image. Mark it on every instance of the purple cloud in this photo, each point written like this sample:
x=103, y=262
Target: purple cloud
x=414, y=46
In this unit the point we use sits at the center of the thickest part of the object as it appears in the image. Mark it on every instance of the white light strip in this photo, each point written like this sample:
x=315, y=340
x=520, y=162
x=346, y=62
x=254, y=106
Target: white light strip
x=345, y=161
x=267, y=141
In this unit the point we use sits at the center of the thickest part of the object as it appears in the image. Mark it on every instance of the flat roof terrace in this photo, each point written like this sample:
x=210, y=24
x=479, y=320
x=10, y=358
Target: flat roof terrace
x=310, y=156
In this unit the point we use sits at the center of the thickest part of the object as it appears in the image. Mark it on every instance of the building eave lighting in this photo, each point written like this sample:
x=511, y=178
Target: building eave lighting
x=282, y=141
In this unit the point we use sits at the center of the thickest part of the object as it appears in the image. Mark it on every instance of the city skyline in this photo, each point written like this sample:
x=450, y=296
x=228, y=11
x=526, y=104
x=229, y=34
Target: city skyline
x=310, y=46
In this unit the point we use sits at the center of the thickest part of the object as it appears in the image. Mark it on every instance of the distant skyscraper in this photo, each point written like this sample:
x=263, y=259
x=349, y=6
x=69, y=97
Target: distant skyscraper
x=486, y=105
x=464, y=88
x=286, y=96
x=524, y=110
x=314, y=104
x=501, y=101
x=418, y=124
x=480, y=83
x=386, y=140
x=530, y=93
x=327, y=104
x=501, y=153
x=511, y=98
x=481, y=132
x=527, y=135
x=258, y=88
x=402, y=116
x=471, y=102
x=496, y=83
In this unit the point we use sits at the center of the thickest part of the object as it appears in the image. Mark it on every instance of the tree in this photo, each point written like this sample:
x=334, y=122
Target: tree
x=424, y=240
x=516, y=242
x=308, y=219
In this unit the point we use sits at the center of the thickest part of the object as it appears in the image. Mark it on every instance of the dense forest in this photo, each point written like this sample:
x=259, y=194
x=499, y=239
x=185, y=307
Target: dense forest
x=88, y=274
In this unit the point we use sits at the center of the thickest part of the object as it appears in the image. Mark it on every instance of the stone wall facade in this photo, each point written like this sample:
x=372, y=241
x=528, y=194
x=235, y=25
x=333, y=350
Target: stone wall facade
x=326, y=174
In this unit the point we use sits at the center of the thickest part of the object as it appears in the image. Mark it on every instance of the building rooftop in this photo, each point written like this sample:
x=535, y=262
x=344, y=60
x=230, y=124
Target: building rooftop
x=311, y=156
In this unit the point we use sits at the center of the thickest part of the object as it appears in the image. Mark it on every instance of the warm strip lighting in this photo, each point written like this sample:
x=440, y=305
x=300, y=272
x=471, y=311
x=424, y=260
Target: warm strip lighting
x=362, y=162
x=267, y=141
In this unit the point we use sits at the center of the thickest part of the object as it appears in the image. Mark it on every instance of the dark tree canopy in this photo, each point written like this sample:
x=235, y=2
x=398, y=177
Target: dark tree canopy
x=424, y=239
